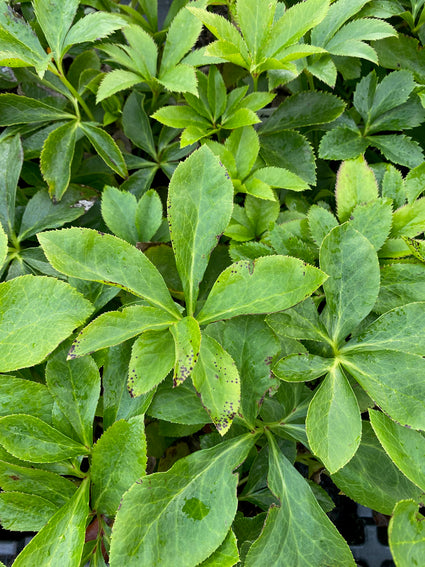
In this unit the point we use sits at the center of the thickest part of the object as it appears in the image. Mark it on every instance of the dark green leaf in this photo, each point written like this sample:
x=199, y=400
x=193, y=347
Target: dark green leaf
x=56, y=158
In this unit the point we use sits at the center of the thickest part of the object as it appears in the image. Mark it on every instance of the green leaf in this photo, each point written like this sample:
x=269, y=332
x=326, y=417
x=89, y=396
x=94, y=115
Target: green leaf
x=106, y=147
x=400, y=284
x=18, y=109
x=87, y=254
x=414, y=183
x=118, y=460
x=11, y=159
x=136, y=123
x=224, y=556
x=302, y=367
x=286, y=536
x=47, y=485
x=181, y=78
x=25, y=396
x=342, y=143
x=187, y=339
x=178, y=117
x=406, y=534
x=372, y=479
x=268, y=284
x=75, y=386
x=55, y=19
x=398, y=148
x=393, y=186
x=239, y=118
x=115, y=327
x=292, y=151
x=92, y=27
x=178, y=405
x=355, y=184
x=321, y=222
x=409, y=220
x=200, y=499
x=115, y=81
x=216, y=378
x=41, y=212
x=243, y=145
x=119, y=213
x=56, y=158
x=252, y=345
x=30, y=439
x=196, y=223
x=400, y=395
x=301, y=322
x=352, y=288
x=152, y=358
x=49, y=310
x=406, y=447
x=61, y=541
x=24, y=512
x=398, y=330
x=255, y=18
x=148, y=215
x=333, y=423
x=304, y=109
x=216, y=93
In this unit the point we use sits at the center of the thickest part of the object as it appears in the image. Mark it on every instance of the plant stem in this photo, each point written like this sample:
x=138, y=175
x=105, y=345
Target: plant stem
x=255, y=81
x=77, y=97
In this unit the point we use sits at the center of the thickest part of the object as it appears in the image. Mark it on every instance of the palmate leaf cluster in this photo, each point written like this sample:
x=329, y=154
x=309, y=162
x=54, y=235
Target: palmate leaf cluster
x=212, y=275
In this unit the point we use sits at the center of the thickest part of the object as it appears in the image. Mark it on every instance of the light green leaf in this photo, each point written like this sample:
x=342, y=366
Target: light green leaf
x=406, y=534
x=226, y=555
x=152, y=358
x=398, y=148
x=280, y=177
x=25, y=396
x=414, y=183
x=321, y=222
x=400, y=394
x=286, y=537
x=61, y=541
x=373, y=220
x=216, y=378
x=196, y=223
x=252, y=345
x=115, y=327
x=37, y=313
x=148, y=215
x=75, y=386
x=355, y=184
x=119, y=213
x=181, y=37
x=295, y=22
x=302, y=367
x=352, y=288
x=268, y=284
x=56, y=158
x=55, y=19
x=115, y=81
x=118, y=460
x=181, y=78
x=47, y=485
x=333, y=423
x=87, y=254
x=30, y=439
x=400, y=330
x=241, y=117
x=106, y=147
x=11, y=159
x=243, y=145
x=18, y=109
x=409, y=220
x=255, y=19
x=200, y=499
x=406, y=447
x=24, y=512
x=178, y=117
x=92, y=27
x=187, y=340
x=372, y=479
x=216, y=93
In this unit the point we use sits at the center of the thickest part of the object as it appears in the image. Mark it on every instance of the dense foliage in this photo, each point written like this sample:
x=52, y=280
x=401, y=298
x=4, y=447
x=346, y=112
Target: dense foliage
x=233, y=307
